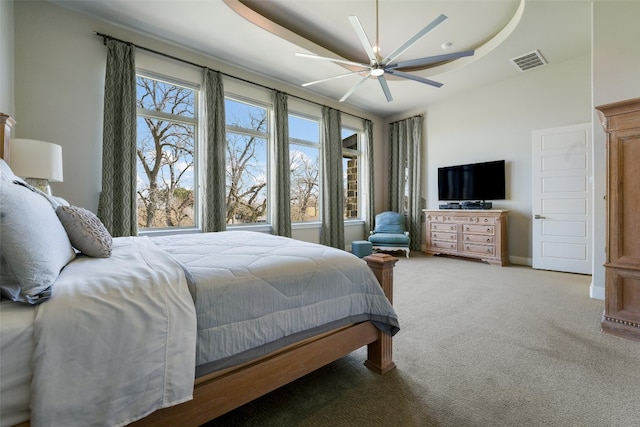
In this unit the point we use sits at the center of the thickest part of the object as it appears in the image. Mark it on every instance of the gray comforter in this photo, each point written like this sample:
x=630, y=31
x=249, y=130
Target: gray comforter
x=254, y=292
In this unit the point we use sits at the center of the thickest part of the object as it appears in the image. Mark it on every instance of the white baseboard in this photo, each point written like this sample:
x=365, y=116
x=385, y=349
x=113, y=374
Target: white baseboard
x=596, y=292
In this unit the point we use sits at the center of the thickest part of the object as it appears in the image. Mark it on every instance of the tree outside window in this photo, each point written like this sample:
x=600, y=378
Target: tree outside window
x=304, y=157
x=246, y=164
x=166, y=126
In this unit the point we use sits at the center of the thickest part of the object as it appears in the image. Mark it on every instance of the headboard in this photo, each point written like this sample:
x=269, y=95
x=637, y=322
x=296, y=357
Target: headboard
x=6, y=123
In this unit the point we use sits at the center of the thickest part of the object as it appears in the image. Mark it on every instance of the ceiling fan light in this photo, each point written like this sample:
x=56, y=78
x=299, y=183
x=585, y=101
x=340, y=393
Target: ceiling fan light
x=446, y=45
x=377, y=72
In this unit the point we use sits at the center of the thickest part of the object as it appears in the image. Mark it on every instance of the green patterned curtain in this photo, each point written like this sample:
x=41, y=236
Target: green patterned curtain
x=332, y=232
x=282, y=218
x=405, y=153
x=368, y=179
x=117, y=205
x=397, y=162
x=215, y=208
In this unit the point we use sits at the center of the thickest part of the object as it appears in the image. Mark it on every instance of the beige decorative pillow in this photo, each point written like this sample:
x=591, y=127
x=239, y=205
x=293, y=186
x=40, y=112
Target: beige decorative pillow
x=86, y=231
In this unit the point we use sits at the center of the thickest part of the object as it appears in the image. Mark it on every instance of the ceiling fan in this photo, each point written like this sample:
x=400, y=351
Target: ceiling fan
x=379, y=66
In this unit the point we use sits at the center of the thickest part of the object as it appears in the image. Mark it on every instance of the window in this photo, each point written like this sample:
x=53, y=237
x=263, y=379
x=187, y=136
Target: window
x=247, y=128
x=351, y=172
x=166, y=142
x=168, y=146
x=304, y=155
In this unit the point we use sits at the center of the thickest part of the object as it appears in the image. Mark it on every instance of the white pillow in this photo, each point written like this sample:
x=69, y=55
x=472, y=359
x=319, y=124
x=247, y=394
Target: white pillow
x=33, y=243
x=86, y=231
x=6, y=174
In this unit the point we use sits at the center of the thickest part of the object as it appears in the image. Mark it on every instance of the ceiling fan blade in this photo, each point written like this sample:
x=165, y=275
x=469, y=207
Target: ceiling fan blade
x=399, y=51
x=385, y=88
x=331, y=78
x=415, y=78
x=324, y=58
x=354, y=87
x=364, y=40
x=421, y=62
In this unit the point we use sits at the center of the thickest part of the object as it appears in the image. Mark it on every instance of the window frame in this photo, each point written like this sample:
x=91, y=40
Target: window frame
x=358, y=154
x=197, y=139
x=268, y=136
x=319, y=147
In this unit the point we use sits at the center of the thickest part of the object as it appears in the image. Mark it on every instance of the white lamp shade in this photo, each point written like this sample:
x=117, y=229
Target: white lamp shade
x=36, y=159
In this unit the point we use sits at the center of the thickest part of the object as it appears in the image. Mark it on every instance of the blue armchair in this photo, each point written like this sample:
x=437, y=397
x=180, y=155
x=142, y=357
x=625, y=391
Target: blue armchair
x=389, y=233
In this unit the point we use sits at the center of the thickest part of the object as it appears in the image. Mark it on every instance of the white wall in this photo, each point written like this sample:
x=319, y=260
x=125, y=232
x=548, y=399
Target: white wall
x=59, y=84
x=616, y=76
x=494, y=122
x=7, y=104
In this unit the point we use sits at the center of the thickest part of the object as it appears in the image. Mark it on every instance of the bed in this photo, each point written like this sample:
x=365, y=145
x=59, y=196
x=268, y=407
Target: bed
x=190, y=287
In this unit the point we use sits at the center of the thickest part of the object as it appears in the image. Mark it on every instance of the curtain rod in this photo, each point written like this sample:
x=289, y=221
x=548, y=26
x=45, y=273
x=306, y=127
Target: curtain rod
x=407, y=118
x=106, y=37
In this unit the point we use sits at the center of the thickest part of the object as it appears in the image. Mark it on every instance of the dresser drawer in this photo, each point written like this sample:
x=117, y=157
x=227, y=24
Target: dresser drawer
x=479, y=249
x=479, y=238
x=443, y=236
x=444, y=245
x=463, y=219
x=481, y=229
x=436, y=226
x=486, y=220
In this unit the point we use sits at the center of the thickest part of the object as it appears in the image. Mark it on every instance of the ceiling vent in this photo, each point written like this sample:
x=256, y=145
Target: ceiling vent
x=529, y=61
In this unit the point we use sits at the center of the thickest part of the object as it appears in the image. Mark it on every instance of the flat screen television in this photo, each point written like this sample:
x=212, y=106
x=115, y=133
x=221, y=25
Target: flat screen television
x=474, y=181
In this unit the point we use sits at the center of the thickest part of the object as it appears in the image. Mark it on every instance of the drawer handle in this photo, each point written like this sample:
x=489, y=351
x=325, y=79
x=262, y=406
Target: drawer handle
x=486, y=220
x=468, y=229
x=453, y=237
x=452, y=246
x=488, y=250
x=488, y=230
x=467, y=238
x=489, y=240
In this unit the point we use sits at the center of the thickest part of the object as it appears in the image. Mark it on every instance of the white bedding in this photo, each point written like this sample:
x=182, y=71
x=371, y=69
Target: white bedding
x=253, y=290
x=116, y=341
x=16, y=345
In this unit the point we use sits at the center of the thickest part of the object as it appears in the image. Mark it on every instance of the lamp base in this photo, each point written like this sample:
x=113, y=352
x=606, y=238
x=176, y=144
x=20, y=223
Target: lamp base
x=40, y=183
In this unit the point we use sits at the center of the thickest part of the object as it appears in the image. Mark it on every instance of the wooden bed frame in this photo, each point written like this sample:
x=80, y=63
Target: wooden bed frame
x=222, y=391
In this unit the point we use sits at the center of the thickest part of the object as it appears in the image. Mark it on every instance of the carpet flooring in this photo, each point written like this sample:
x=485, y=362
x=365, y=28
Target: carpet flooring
x=479, y=345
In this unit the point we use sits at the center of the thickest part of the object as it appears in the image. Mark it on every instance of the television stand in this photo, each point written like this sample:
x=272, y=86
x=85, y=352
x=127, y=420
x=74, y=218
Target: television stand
x=468, y=233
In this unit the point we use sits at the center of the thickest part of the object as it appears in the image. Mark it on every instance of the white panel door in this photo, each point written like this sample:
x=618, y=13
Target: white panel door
x=561, y=176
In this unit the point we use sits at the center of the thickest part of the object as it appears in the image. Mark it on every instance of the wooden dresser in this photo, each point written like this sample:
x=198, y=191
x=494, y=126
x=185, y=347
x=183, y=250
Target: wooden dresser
x=621, y=122
x=480, y=234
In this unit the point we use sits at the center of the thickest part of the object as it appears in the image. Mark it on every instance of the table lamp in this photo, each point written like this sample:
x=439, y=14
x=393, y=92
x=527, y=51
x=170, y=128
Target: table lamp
x=38, y=162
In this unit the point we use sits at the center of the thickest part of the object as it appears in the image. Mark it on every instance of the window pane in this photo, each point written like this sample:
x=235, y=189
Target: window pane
x=304, y=129
x=305, y=169
x=169, y=98
x=246, y=179
x=245, y=116
x=247, y=145
x=165, y=155
x=350, y=160
x=350, y=171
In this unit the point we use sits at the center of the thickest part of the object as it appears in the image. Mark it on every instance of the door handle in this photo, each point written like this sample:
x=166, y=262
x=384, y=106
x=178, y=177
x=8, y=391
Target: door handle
x=539, y=217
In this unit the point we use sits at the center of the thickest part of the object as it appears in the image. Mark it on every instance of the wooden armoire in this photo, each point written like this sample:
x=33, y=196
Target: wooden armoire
x=621, y=122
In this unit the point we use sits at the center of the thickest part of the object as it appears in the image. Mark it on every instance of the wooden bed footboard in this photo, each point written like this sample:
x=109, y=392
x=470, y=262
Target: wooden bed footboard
x=222, y=391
